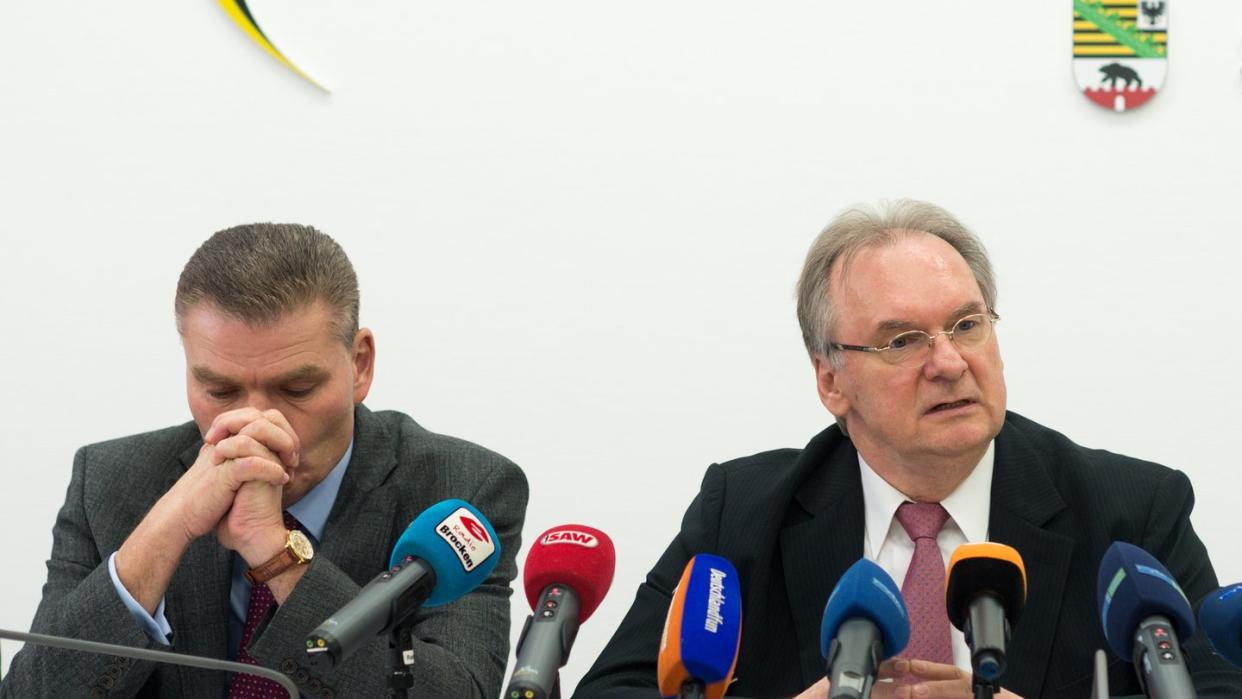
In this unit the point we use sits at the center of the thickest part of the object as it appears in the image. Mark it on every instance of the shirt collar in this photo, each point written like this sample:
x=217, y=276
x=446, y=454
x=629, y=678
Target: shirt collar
x=969, y=505
x=313, y=509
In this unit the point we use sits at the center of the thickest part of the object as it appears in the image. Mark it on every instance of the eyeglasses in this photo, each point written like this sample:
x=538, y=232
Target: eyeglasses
x=968, y=333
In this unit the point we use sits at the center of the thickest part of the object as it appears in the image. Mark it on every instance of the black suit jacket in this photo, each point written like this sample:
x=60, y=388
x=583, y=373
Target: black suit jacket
x=397, y=470
x=791, y=521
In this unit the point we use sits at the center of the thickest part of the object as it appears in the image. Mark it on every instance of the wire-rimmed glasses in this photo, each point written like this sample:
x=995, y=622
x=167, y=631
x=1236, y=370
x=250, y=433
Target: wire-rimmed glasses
x=968, y=333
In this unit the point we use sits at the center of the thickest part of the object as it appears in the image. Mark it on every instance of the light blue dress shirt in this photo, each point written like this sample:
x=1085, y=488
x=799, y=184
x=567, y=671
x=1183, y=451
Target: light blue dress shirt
x=311, y=511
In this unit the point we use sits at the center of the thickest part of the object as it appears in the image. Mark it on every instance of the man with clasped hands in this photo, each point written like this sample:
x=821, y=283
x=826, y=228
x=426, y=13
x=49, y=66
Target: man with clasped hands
x=236, y=534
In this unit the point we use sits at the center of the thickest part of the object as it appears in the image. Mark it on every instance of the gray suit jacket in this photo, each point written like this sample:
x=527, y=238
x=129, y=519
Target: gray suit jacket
x=398, y=469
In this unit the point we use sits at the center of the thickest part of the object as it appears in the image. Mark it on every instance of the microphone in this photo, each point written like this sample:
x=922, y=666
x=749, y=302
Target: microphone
x=446, y=552
x=984, y=597
x=865, y=622
x=1221, y=618
x=702, y=632
x=1144, y=613
x=567, y=573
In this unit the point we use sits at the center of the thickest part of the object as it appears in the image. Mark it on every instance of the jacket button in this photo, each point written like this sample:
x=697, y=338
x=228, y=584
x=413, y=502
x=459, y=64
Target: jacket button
x=107, y=682
x=98, y=693
x=327, y=693
x=301, y=676
x=288, y=666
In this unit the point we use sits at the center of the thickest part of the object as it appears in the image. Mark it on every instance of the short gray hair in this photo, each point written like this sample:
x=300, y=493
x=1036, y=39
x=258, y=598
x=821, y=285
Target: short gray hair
x=862, y=227
x=259, y=272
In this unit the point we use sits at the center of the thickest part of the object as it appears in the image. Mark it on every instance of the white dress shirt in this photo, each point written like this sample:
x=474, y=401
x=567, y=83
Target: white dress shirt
x=885, y=541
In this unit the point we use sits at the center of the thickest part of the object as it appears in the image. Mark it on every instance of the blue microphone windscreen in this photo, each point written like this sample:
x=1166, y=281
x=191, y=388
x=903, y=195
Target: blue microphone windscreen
x=711, y=621
x=458, y=543
x=1221, y=618
x=867, y=592
x=1132, y=586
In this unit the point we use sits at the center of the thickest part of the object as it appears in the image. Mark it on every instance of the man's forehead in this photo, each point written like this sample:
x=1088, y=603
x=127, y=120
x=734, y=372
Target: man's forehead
x=222, y=348
x=893, y=249
x=305, y=320
x=904, y=282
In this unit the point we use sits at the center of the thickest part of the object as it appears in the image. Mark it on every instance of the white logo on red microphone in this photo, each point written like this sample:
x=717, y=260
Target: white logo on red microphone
x=570, y=536
x=467, y=537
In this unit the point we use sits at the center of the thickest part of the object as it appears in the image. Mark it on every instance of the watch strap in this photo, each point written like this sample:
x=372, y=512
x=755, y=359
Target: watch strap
x=282, y=561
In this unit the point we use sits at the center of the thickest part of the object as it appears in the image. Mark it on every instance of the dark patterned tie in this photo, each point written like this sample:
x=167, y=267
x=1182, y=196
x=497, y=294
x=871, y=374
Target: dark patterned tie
x=261, y=601
x=923, y=589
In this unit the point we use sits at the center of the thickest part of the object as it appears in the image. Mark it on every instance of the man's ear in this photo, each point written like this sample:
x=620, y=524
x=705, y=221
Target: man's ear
x=831, y=390
x=363, y=352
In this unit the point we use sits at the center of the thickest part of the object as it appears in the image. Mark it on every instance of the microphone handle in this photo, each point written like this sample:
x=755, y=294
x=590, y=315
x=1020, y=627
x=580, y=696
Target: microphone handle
x=692, y=689
x=987, y=633
x=1159, y=661
x=544, y=644
x=853, y=659
x=158, y=656
x=381, y=605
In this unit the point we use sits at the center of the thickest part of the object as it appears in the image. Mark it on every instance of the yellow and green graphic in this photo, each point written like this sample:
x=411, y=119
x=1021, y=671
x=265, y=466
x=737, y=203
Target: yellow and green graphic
x=241, y=15
x=1120, y=50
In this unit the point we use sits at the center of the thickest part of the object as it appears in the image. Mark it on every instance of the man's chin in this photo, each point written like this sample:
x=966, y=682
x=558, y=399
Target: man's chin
x=961, y=439
x=293, y=493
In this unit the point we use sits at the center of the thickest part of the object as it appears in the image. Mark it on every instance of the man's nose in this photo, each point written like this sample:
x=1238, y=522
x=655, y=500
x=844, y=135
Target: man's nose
x=945, y=359
x=258, y=400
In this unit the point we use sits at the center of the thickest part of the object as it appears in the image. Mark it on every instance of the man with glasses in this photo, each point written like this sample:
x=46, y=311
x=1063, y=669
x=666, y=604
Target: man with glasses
x=898, y=313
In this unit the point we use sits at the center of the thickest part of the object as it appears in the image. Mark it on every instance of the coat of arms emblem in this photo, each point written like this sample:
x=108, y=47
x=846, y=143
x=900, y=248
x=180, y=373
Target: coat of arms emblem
x=1121, y=50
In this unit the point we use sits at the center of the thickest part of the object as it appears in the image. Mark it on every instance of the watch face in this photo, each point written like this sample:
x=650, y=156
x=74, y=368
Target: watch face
x=300, y=545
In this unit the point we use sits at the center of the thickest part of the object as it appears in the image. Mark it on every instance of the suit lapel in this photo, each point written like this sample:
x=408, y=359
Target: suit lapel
x=1024, y=500
x=821, y=539
x=362, y=515
x=198, y=599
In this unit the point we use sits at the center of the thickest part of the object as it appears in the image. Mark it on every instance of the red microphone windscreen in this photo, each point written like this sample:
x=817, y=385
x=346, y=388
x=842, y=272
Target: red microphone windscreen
x=576, y=556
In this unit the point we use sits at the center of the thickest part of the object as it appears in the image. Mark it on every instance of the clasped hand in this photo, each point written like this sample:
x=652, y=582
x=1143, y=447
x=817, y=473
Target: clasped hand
x=236, y=483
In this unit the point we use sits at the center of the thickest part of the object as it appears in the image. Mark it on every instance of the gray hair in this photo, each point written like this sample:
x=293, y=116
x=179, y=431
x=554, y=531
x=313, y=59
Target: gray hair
x=862, y=227
x=258, y=272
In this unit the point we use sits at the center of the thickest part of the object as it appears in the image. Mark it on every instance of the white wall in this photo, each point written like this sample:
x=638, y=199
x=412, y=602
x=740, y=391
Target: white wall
x=578, y=226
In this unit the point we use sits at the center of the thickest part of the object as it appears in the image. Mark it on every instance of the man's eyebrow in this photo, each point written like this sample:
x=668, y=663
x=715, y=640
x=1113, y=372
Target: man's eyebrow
x=894, y=325
x=306, y=372
x=968, y=308
x=205, y=375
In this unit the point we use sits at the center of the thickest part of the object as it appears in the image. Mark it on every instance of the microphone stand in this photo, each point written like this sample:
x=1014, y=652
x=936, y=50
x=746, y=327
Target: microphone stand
x=401, y=636
x=159, y=656
x=400, y=659
x=985, y=689
x=1099, y=679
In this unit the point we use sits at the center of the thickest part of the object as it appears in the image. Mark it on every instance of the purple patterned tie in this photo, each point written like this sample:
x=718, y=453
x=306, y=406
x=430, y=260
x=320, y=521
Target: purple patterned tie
x=923, y=588
x=261, y=601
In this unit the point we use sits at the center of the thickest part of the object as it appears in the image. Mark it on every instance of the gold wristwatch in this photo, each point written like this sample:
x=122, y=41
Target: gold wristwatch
x=297, y=552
